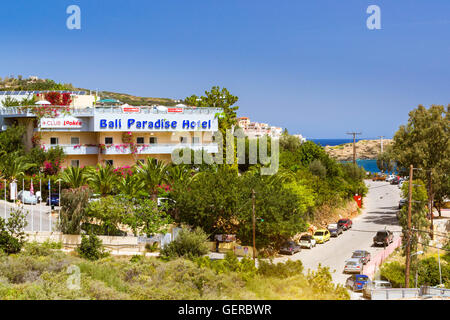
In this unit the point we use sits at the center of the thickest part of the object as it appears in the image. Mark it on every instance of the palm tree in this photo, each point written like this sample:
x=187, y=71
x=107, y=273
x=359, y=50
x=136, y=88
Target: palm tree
x=102, y=179
x=153, y=173
x=74, y=176
x=14, y=166
x=180, y=175
x=130, y=185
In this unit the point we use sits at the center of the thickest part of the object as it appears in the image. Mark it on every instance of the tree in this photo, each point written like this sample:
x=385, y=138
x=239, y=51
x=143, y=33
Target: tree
x=11, y=140
x=153, y=173
x=424, y=142
x=73, y=209
x=188, y=244
x=102, y=179
x=13, y=166
x=12, y=235
x=317, y=168
x=75, y=177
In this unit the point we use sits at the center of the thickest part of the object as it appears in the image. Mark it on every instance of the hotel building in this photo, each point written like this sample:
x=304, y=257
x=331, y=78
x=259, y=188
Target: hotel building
x=119, y=135
x=256, y=129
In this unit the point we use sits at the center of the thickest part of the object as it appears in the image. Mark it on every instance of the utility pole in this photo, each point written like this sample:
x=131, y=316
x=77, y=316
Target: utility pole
x=381, y=142
x=254, y=225
x=354, y=144
x=408, y=234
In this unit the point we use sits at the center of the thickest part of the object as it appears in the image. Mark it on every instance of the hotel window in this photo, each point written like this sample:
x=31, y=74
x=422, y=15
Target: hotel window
x=74, y=140
x=153, y=140
x=183, y=140
x=75, y=163
x=109, y=162
x=108, y=140
x=54, y=141
x=195, y=140
x=140, y=140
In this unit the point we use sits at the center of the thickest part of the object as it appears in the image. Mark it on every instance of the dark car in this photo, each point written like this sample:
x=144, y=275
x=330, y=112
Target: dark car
x=356, y=282
x=334, y=229
x=364, y=255
x=345, y=224
x=53, y=199
x=401, y=203
x=396, y=180
x=384, y=237
x=290, y=247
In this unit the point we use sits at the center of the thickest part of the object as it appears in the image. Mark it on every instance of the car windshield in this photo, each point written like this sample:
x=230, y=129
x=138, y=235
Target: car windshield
x=351, y=263
x=332, y=226
x=357, y=254
x=305, y=238
x=342, y=221
x=381, y=233
x=319, y=233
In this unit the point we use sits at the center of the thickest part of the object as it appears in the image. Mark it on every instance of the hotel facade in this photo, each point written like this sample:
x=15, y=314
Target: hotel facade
x=117, y=135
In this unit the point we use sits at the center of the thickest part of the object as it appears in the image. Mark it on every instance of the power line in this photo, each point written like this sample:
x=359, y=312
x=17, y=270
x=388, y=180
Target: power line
x=354, y=144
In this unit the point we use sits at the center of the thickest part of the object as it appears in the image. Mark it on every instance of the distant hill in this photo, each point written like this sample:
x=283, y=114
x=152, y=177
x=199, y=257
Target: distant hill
x=365, y=149
x=12, y=83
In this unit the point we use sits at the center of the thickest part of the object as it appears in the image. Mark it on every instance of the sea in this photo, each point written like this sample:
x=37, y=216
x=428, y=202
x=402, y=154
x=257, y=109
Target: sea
x=368, y=165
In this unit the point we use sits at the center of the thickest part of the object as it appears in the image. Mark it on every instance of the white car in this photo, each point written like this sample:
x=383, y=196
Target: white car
x=390, y=178
x=373, y=285
x=307, y=241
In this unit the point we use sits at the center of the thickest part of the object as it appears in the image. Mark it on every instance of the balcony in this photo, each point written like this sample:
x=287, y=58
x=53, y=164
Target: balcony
x=70, y=149
x=156, y=148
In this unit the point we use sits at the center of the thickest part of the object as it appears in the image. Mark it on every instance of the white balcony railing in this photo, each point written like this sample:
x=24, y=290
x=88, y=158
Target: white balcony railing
x=70, y=149
x=117, y=149
x=156, y=148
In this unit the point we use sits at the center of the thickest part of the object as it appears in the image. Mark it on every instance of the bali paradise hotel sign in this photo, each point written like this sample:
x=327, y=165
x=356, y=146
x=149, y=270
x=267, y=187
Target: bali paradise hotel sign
x=61, y=123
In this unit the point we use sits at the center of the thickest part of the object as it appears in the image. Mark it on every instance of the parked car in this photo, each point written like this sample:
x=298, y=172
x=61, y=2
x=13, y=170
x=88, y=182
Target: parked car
x=290, y=247
x=384, y=237
x=357, y=282
x=390, y=178
x=376, y=284
x=379, y=178
x=53, y=200
x=396, y=180
x=26, y=197
x=362, y=254
x=334, y=229
x=400, y=184
x=353, y=265
x=307, y=241
x=401, y=203
x=345, y=224
x=322, y=235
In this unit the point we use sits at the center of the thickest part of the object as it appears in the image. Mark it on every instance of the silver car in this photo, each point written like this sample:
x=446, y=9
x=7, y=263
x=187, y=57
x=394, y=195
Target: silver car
x=353, y=265
x=376, y=284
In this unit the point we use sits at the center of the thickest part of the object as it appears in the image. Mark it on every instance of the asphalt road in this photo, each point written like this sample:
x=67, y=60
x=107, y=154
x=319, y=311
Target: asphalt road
x=379, y=212
x=37, y=218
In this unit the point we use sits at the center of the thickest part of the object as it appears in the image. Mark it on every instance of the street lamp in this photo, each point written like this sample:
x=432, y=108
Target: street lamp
x=414, y=254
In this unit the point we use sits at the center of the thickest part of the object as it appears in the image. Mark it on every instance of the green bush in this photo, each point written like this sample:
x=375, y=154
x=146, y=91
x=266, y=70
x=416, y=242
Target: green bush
x=188, y=244
x=42, y=249
x=91, y=247
x=12, y=236
x=280, y=270
x=73, y=209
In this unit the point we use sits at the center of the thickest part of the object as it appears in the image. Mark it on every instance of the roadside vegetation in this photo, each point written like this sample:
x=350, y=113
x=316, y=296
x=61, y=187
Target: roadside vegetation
x=44, y=272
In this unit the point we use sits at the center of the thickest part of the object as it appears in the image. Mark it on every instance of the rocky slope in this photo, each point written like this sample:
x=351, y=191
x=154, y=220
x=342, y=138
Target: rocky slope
x=365, y=149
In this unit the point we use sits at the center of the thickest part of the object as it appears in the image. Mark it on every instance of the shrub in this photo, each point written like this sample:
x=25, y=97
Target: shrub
x=188, y=244
x=42, y=249
x=12, y=236
x=151, y=247
x=73, y=203
x=91, y=247
x=280, y=270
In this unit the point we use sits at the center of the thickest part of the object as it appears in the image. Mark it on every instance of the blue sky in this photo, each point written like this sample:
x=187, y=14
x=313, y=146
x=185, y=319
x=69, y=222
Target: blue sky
x=310, y=66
